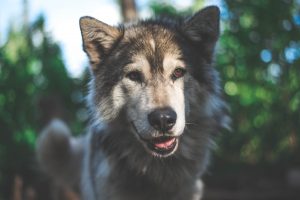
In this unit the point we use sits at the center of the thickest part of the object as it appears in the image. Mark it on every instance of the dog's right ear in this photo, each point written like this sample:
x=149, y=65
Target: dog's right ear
x=98, y=38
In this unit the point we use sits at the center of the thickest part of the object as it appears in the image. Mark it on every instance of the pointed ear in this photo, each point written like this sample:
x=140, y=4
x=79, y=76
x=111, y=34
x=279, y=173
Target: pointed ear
x=204, y=25
x=98, y=38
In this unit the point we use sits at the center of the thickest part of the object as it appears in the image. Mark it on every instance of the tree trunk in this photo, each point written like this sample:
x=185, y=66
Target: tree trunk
x=128, y=8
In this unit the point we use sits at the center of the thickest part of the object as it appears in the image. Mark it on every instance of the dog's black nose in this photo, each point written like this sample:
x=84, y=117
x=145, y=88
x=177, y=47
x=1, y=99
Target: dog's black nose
x=162, y=119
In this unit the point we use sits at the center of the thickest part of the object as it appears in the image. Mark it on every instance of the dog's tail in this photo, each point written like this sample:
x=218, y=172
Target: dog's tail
x=59, y=154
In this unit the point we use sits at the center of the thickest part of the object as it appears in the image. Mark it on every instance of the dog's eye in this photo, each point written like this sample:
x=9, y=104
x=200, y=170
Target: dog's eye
x=178, y=73
x=135, y=76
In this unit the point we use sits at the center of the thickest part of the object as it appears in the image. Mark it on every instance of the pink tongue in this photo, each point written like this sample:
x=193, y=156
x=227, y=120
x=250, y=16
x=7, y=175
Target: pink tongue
x=166, y=144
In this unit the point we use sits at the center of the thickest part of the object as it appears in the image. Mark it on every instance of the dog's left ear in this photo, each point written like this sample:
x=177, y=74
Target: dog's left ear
x=98, y=38
x=204, y=26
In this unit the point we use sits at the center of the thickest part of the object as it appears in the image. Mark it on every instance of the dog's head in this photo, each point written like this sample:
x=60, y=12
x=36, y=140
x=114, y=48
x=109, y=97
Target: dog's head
x=143, y=69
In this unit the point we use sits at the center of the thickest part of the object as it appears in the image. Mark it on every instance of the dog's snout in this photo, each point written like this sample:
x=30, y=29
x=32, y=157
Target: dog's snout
x=162, y=119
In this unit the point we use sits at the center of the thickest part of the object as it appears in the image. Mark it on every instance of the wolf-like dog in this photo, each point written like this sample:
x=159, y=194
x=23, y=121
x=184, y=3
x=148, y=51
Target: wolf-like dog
x=156, y=105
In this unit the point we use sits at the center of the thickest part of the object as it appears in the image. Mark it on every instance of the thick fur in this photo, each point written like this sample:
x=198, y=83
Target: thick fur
x=116, y=162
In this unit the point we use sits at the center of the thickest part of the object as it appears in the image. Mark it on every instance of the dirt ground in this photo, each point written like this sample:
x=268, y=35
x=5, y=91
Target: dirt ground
x=253, y=184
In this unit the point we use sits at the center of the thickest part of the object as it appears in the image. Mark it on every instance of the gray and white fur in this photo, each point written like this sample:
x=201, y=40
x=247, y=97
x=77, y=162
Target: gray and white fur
x=156, y=105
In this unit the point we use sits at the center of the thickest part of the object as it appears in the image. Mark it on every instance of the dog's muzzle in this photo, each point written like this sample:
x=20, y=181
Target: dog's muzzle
x=163, y=143
x=162, y=119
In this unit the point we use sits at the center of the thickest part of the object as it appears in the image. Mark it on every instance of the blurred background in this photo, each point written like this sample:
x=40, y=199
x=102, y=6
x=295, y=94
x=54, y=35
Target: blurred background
x=43, y=74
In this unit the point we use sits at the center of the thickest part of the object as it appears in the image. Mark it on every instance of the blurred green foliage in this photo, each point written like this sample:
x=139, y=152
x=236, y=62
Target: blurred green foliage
x=259, y=60
x=32, y=76
x=258, y=57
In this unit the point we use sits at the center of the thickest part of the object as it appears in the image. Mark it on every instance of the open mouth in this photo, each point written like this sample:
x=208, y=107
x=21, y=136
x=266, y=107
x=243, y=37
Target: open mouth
x=162, y=146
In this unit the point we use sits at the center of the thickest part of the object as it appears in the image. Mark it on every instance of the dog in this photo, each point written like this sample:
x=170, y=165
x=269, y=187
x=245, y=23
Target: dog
x=156, y=105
